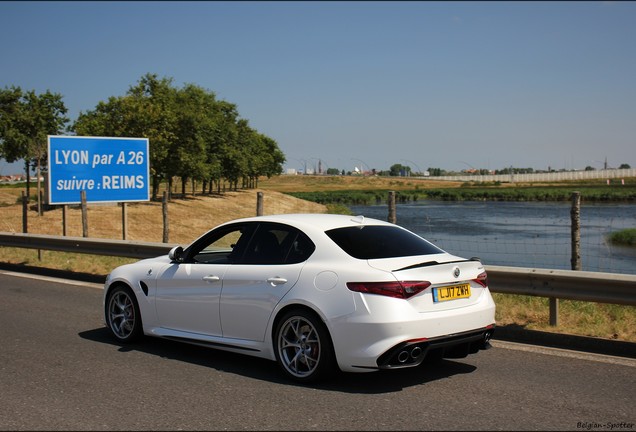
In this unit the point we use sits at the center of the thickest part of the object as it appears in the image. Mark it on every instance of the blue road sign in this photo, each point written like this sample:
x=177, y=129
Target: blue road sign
x=108, y=169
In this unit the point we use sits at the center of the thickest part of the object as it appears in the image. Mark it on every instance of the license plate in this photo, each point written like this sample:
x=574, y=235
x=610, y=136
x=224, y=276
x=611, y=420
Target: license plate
x=451, y=292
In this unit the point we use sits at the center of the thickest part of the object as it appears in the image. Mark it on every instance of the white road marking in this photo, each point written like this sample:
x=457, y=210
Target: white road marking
x=559, y=352
x=53, y=279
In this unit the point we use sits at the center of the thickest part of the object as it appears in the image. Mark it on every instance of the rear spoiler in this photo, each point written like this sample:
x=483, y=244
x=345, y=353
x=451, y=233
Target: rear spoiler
x=434, y=263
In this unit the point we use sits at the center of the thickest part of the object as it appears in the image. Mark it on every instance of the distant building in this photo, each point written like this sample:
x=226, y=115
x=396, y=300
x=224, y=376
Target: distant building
x=12, y=178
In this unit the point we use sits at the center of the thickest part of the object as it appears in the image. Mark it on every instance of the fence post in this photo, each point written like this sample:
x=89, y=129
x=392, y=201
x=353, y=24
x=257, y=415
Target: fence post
x=575, y=261
x=124, y=220
x=392, y=218
x=259, y=204
x=84, y=214
x=40, y=203
x=575, y=216
x=164, y=206
x=64, y=225
x=25, y=213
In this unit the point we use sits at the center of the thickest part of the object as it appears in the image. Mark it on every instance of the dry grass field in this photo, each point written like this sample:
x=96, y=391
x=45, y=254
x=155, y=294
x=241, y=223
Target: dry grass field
x=299, y=183
x=187, y=219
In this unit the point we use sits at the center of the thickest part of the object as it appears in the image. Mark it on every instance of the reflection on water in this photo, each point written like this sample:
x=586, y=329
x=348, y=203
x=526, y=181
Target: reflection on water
x=517, y=234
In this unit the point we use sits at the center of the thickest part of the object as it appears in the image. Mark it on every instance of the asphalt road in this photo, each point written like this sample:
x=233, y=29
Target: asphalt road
x=60, y=370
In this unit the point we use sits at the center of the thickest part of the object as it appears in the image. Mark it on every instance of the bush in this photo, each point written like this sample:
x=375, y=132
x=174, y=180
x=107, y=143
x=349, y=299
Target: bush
x=626, y=237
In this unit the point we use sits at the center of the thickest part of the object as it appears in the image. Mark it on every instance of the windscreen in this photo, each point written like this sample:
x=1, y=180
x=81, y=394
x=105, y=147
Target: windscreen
x=379, y=241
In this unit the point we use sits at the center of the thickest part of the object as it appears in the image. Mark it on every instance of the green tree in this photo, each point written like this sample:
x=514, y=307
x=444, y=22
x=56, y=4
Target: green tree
x=267, y=160
x=436, y=172
x=192, y=135
x=261, y=155
x=399, y=170
x=26, y=120
x=147, y=110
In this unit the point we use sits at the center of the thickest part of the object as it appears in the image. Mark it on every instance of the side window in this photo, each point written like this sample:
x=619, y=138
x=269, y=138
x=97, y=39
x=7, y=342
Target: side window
x=278, y=244
x=223, y=246
x=301, y=249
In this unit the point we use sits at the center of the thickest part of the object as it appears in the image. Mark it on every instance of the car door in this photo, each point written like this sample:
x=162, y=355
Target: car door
x=252, y=288
x=188, y=292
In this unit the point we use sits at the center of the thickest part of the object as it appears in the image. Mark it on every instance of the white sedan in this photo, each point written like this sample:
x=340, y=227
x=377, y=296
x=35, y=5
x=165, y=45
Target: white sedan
x=313, y=292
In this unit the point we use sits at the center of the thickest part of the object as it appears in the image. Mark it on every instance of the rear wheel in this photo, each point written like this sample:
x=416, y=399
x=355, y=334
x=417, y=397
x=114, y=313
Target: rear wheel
x=122, y=314
x=303, y=346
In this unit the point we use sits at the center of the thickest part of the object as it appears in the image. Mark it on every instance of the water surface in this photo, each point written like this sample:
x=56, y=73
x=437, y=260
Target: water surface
x=535, y=234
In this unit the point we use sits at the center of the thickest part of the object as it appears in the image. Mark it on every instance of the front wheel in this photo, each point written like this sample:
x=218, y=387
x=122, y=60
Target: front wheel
x=122, y=315
x=303, y=346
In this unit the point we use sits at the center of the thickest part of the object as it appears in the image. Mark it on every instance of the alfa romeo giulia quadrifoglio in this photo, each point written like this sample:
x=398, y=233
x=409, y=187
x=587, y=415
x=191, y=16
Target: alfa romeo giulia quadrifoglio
x=313, y=292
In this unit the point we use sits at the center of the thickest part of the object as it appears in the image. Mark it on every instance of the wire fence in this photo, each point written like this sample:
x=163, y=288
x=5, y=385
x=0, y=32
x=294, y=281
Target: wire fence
x=536, y=234
x=609, y=174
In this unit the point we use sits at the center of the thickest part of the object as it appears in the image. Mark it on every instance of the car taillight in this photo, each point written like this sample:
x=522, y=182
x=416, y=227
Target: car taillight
x=482, y=279
x=401, y=290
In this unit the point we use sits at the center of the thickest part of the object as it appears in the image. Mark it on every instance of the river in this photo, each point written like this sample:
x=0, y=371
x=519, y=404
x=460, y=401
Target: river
x=519, y=234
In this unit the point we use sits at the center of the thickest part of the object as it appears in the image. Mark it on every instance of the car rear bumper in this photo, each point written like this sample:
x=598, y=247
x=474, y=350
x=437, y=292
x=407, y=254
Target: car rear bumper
x=413, y=353
x=398, y=337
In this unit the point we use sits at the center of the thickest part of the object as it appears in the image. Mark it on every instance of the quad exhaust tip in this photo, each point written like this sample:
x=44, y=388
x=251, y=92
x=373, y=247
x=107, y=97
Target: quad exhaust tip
x=412, y=354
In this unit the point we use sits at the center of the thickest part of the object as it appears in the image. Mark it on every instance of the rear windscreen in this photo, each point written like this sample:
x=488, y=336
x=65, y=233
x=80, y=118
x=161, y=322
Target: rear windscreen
x=373, y=242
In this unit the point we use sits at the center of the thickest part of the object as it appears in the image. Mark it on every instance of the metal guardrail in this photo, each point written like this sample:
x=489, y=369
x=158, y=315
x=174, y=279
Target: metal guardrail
x=94, y=246
x=562, y=284
x=595, y=287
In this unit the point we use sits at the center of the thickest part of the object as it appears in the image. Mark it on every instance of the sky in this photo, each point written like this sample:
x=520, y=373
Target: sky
x=368, y=84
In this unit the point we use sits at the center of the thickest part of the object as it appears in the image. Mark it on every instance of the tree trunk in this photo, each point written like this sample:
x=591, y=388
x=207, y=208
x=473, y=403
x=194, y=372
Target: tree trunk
x=155, y=187
x=37, y=173
x=27, y=167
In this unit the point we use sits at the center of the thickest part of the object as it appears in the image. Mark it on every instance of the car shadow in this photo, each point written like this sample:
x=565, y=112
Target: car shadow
x=376, y=382
x=520, y=334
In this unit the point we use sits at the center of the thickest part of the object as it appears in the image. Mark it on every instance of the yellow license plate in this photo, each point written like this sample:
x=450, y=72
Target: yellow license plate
x=451, y=292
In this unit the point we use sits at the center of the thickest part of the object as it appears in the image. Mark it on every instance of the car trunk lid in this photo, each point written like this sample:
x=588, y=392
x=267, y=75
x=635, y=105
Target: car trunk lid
x=455, y=282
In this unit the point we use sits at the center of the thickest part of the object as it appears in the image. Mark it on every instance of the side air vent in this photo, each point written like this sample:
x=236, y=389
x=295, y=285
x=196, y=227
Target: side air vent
x=144, y=287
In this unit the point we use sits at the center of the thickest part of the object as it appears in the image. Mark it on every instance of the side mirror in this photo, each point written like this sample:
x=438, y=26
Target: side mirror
x=176, y=254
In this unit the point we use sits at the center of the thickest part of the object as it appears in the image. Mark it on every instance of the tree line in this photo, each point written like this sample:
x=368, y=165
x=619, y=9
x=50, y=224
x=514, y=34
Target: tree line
x=193, y=135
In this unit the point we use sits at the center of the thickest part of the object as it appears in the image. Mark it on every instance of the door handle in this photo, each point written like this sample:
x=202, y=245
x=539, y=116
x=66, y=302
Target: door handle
x=211, y=278
x=273, y=281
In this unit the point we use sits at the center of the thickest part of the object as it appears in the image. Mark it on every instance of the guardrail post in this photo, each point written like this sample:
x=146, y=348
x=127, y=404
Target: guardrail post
x=392, y=218
x=554, y=311
x=84, y=214
x=259, y=204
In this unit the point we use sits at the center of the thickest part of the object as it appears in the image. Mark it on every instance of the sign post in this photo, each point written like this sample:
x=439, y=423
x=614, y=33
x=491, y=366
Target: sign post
x=107, y=169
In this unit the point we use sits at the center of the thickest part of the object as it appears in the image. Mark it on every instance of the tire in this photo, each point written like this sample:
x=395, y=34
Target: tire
x=122, y=315
x=303, y=347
